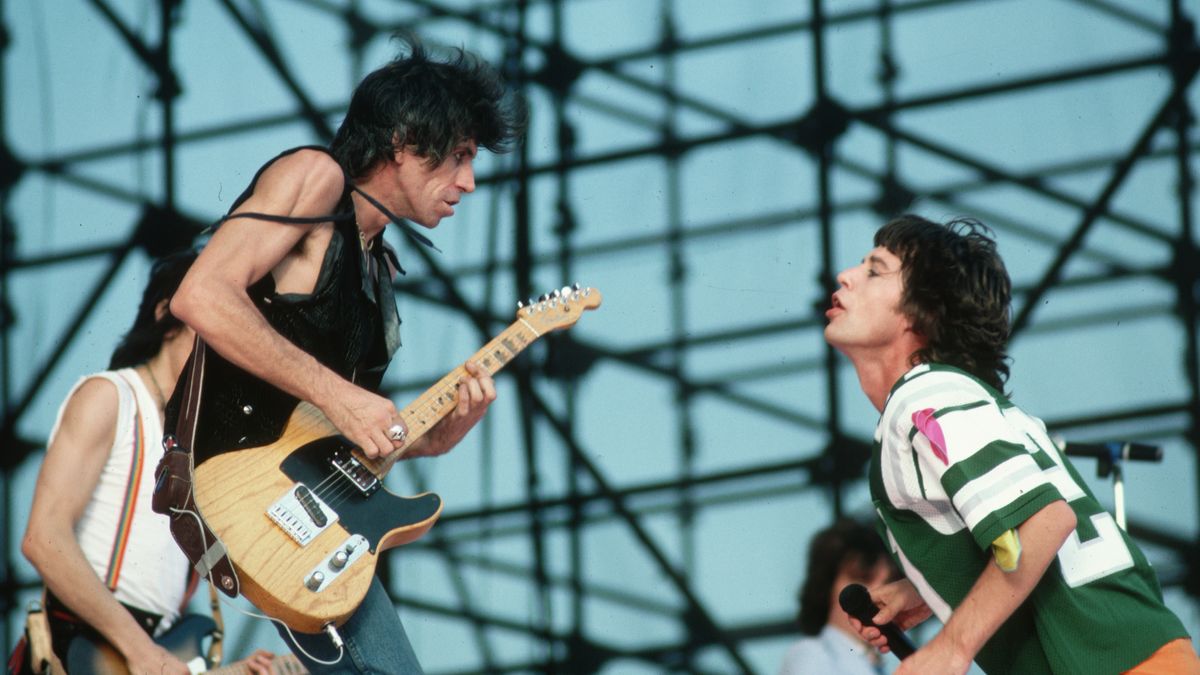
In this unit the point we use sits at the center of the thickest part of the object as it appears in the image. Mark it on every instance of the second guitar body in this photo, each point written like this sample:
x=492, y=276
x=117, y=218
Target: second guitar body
x=184, y=640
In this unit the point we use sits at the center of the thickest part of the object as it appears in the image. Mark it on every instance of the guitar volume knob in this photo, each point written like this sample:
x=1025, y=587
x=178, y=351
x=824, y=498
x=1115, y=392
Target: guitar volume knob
x=314, y=582
x=339, y=560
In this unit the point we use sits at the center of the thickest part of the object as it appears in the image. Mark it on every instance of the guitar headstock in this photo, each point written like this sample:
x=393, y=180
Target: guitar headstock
x=559, y=308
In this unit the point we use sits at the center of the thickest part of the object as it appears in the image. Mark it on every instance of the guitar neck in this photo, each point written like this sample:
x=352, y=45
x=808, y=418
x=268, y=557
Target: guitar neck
x=441, y=399
x=282, y=664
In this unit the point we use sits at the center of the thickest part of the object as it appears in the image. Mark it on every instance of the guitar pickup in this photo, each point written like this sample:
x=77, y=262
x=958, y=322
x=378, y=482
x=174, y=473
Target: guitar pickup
x=354, y=471
x=311, y=506
x=301, y=514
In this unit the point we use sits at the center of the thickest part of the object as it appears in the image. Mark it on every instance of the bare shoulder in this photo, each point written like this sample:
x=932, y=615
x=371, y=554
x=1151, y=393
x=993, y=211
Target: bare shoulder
x=91, y=412
x=95, y=394
x=75, y=458
x=308, y=180
x=309, y=161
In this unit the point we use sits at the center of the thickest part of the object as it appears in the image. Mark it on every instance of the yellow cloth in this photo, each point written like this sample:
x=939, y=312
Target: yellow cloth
x=1007, y=550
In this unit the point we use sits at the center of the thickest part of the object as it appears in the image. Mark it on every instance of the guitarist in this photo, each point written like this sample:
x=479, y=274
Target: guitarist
x=111, y=570
x=293, y=293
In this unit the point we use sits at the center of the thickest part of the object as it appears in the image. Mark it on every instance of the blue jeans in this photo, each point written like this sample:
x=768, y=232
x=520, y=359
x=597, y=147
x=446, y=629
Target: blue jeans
x=375, y=641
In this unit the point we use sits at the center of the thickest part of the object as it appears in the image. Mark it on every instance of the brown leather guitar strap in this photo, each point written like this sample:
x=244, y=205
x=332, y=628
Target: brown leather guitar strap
x=173, y=488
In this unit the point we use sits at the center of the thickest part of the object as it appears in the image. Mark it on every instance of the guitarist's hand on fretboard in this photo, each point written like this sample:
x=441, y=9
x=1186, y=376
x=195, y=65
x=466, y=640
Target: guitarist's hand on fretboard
x=178, y=652
x=476, y=391
x=260, y=662
x=152, y=660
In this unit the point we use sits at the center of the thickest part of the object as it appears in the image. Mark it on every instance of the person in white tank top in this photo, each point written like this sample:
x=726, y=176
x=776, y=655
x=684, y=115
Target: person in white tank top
x=109, y=563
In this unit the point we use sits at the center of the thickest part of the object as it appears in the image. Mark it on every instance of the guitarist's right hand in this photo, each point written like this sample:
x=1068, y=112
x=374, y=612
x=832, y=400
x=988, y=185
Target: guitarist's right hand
x=154, y=660
x=362, y=417
x=259, y=662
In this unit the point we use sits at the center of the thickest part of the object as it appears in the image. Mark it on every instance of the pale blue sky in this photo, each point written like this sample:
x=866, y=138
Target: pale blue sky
x=71, y=86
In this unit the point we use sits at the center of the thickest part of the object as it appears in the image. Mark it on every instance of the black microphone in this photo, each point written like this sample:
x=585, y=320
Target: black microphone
x=1113, y=451
x=856, y=601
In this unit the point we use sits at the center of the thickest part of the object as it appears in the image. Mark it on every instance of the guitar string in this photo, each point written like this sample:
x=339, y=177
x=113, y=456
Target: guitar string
x=335, y=492
x=431, y=405
x=331, y=488
x=426, y=400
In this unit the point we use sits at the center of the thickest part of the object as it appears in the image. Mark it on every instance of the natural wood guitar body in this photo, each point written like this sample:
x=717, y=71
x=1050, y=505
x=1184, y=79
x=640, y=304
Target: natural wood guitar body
x=234, y=492
x=311, y=505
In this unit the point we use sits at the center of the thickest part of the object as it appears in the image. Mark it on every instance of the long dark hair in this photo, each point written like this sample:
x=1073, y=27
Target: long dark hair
x=956, y=292
x=848, y=546
x=145, y=337
x=429, y=107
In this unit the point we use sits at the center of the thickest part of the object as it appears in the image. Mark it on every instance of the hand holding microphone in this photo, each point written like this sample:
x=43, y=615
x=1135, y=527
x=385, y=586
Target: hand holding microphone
x=856, y=601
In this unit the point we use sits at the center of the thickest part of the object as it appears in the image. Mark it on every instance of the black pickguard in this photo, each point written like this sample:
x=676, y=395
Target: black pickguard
x=370, y=516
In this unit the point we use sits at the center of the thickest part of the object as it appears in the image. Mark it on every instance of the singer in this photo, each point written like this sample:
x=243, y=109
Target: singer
x=995, y=531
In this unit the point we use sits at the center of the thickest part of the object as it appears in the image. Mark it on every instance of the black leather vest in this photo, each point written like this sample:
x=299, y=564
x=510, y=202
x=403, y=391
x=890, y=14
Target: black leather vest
x=349, y=324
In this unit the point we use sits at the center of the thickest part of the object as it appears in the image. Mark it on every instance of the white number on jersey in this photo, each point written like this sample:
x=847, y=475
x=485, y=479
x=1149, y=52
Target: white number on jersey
x=1081, y=562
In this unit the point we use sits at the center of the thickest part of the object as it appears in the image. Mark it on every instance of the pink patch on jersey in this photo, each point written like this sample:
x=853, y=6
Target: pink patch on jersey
x=927, y=424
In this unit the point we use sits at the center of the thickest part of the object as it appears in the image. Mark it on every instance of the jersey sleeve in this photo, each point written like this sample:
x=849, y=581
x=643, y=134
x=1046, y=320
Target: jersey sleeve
x=987, y=467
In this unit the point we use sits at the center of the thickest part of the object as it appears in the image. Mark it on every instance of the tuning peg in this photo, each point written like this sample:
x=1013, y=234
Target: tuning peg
x=555, y=293
x=520, y=305
x=576, y=287
x=543, y=297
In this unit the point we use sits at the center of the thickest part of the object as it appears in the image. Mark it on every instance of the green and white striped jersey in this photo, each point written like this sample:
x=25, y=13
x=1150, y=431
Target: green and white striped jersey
x=956, y=465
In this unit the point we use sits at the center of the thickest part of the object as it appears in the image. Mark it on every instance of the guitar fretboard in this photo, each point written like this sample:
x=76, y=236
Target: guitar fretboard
x=282, y=664
x=440, y=399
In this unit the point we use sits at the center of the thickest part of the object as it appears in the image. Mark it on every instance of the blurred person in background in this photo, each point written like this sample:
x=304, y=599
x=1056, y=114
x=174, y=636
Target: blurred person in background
x=846, y=552
x=113, y=574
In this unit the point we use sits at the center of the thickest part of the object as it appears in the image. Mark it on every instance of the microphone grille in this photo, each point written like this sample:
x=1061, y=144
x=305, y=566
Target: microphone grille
x=856, y=601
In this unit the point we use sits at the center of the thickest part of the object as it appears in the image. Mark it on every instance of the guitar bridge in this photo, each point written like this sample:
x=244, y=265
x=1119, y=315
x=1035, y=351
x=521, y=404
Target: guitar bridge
x=301, y=514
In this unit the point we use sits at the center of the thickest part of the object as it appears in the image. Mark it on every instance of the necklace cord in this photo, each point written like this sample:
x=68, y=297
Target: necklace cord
x=162, y=400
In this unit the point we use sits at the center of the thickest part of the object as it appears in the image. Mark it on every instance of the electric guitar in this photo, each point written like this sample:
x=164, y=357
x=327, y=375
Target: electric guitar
x=86, y=657
x=305, y=518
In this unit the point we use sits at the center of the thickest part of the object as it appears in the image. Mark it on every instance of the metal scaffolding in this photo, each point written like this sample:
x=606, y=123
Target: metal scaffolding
x=569, y=490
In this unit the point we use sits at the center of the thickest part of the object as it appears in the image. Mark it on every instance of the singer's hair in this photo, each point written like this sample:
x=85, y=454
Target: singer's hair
x=429, y=107
x=846, y=546
x=145, y=337
x=956, y=292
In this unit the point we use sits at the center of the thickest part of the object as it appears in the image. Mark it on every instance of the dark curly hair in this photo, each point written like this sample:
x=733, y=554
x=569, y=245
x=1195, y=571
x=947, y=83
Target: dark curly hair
x=847, y=546
x=429, y=107
x=145, y=337
x=956, y=292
